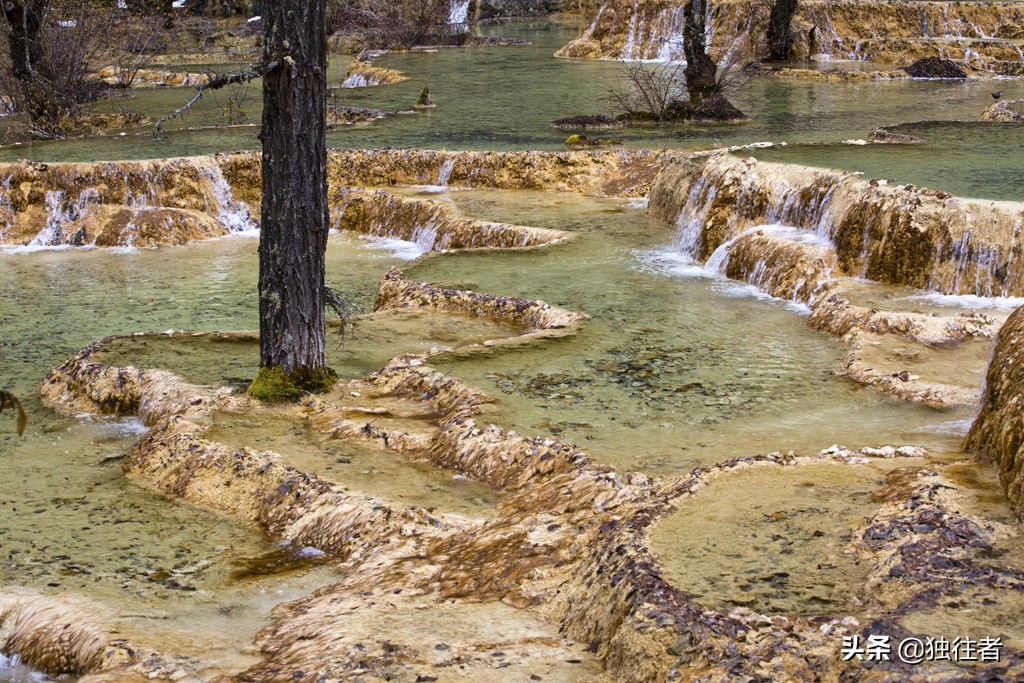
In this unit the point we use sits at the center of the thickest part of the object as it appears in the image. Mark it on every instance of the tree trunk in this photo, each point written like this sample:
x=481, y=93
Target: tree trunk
x=25, y=19
x=780, y=34
x=293, y=238
x=36, y=94
x=700, y=69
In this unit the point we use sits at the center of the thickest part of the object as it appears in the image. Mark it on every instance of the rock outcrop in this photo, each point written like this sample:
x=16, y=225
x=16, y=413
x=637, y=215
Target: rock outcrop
x=364, y=74
x=998, y=432
x=1011, y=111
x=173, y=201
x=803, y=235
x=902, y=235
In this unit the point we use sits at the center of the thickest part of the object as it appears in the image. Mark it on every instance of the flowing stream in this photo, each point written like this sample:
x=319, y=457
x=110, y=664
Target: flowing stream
x=677, y=368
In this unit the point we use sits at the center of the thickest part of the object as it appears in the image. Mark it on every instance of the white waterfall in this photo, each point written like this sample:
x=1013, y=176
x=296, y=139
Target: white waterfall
x=459, y=12
x=445, y=174
x=229, y=212
x=60, y=213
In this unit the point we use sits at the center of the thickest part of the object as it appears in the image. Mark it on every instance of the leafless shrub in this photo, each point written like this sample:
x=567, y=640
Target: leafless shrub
x=407, y=23
x=649, y=92
x=132, y=47
x=49, y=82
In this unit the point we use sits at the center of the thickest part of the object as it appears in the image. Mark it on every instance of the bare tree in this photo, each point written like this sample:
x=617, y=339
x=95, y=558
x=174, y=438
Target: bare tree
x=651, y=93
x=293, y=236
x=701, y=70
x=51, y=45
x=133, y=46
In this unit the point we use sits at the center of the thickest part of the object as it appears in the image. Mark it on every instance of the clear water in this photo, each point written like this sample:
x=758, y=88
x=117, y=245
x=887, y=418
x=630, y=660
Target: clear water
x=774, y=539
x=70, y=523
x=675, y=369
x=988, y=167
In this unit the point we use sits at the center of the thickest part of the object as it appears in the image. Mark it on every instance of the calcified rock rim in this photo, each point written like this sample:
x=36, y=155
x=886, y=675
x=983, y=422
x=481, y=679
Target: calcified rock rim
x=998, y=432
x=152, y=78
x=982, y=34
x=571, y=541
x=729, y=199
x=1002, y=111
x=363, y=74
x=186, y=199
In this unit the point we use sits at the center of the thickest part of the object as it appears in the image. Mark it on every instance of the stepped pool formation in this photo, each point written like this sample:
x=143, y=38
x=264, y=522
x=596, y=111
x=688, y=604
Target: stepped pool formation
x=721, y=404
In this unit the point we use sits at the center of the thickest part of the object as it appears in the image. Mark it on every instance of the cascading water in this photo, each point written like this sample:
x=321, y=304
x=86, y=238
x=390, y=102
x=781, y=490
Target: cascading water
x=459, y=12
x=60, y=214
x=231, y=213
x=357, y=81
x=444, y=175
x=900, y=235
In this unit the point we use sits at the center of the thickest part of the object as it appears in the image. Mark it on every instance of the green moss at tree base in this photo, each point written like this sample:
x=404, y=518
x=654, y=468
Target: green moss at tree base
x=275, y=385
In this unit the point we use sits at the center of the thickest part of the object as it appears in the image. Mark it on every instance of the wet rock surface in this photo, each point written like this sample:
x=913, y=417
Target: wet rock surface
x=565, y=565
x=175, y=201
x=998, y=432
x=1011, y=111
x=879, y=31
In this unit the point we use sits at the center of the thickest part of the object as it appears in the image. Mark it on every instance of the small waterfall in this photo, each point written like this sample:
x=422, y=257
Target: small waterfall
x=589, y=33
x=459, y=12
x=229, y=212
x=693, y=216
x=7, y=214
x=60, y=215
x=900, y=235
x=357, y=81
x=425, y=237
x=445, y=173
x=630, y=47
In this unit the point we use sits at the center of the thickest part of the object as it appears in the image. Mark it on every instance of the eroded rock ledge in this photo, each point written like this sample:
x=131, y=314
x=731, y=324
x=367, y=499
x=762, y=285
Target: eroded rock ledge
x=730, y=213
x=998, y=432
x=173, y=201
x=985, y=35
x=569, y=551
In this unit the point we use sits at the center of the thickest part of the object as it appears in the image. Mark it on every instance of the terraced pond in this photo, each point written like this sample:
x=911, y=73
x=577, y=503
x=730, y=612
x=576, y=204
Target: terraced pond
x=677, y=367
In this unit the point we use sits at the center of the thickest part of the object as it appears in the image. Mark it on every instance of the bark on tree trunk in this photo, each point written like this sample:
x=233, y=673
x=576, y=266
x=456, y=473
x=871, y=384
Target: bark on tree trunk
x=25, y=18
x=700, y=69
x=780, y=34
x=293, y=238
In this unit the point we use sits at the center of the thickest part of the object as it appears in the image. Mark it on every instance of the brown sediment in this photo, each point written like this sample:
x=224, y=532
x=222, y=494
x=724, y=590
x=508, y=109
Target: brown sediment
x=826, y=75
x=985, y=35
x=998, y=432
